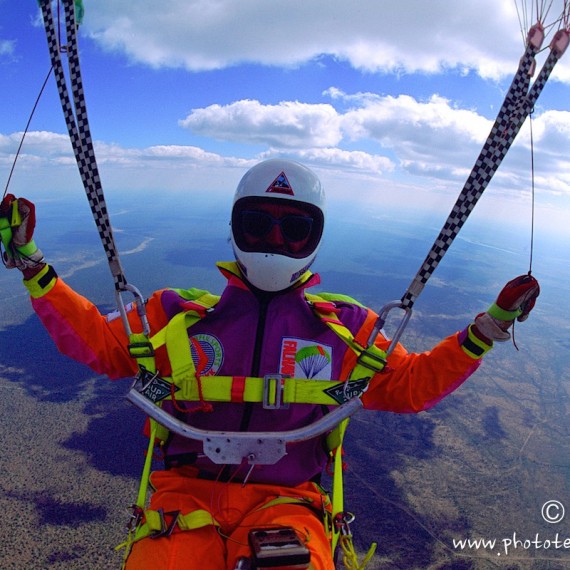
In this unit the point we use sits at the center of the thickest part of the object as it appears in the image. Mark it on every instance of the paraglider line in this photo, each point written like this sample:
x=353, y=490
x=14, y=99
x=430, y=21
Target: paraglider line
x=26, y=131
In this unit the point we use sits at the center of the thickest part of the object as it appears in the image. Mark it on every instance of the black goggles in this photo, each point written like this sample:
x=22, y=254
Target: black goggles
x=294, y=228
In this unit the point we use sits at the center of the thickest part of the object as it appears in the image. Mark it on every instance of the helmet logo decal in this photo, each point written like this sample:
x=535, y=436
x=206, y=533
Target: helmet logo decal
x=281, y=186
x=304, y=359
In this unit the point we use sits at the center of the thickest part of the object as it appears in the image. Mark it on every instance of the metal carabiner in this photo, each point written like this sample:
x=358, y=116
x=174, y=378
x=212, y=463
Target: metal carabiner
x=343, y=521
x=381, y=321
x=140, y=305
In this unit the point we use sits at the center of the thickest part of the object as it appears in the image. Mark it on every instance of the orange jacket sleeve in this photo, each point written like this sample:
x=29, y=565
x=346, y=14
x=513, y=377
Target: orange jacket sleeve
x=81, y=332
x=413, y=382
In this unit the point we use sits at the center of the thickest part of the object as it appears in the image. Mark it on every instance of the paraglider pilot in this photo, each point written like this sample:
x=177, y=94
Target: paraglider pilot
x=265, y=322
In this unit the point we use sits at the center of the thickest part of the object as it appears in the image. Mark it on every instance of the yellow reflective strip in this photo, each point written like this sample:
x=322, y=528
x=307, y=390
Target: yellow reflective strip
x=139, y=349
x=360, y=371
x=143, y=485
x=159, y=339
x=196, y=519
x=153, y=521
x=214, y=389
x=33, y=284
x=307, y=501
x=208, y=300
x=253, y=391
x=295, y=390
x=311, y=391
x=338, y=490
x=178, y=347
x=334, y=438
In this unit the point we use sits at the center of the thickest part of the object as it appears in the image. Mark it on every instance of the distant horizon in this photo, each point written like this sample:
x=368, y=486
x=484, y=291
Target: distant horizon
x=379, y=104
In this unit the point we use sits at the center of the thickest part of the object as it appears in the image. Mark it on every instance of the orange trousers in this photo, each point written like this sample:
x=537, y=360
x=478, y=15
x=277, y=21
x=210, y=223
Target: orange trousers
x=237, y=509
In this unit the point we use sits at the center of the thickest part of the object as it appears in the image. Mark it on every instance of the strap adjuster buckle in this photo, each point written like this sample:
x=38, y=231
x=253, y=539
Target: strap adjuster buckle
x=141, y=349
x=372, y=358
x=342, y=522
x=135, y=518
x=273, y=387
x=166, y=529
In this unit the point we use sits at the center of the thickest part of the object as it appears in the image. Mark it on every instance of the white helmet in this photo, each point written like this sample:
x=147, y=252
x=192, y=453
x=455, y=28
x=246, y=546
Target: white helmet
x=282, y=183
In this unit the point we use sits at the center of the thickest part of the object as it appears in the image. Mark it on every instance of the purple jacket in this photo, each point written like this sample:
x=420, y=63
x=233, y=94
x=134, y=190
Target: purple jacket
x=252, y=335
x=247, y=335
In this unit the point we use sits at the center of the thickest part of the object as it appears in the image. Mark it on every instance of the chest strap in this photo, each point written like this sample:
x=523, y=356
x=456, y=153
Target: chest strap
x=274, y=390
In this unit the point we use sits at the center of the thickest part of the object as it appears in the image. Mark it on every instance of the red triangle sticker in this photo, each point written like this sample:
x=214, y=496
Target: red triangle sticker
x=281, y=186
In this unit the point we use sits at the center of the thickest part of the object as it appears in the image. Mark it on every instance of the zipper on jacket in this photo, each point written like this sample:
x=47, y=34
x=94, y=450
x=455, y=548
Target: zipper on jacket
x=263, y=301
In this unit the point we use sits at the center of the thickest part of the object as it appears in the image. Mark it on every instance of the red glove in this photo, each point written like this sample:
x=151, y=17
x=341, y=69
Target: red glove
x=17, y=224
x=515, y=301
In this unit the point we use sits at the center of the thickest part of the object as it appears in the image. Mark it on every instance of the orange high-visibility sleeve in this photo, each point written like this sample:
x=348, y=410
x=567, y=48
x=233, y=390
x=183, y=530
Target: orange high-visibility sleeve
x=413, y=382
x=81, y=332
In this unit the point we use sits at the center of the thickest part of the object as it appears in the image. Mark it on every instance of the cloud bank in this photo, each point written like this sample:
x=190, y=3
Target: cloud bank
x=393, y=37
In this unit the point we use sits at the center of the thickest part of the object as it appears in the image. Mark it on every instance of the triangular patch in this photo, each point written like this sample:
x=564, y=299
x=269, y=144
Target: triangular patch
x=281, y=186
x=344, y=392
x=156, y=389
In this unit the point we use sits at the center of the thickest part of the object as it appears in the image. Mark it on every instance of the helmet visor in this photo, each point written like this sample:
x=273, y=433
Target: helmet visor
x=294, y=228
x=285, y=227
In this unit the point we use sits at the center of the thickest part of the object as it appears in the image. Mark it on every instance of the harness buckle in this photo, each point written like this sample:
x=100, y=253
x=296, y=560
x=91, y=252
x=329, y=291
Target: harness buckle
x=381, y=321
x=140, y=349
x=342, y=522
x=273, y=387
x=140, y=306
x=135, y=518
x=166, y=529
x=372, y=358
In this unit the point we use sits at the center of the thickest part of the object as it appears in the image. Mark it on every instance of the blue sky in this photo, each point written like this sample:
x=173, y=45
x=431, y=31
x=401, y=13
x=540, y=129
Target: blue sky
x=389, y=102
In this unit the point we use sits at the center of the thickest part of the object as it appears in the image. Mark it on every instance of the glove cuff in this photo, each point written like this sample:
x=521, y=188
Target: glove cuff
x=41, y=283
x=489, y=326
x=28, y=250
x=502, y=314
x=472, y=345
x=24, y=257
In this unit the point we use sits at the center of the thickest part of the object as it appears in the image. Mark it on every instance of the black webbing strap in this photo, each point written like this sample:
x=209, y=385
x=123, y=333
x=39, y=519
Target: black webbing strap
x=78, y=128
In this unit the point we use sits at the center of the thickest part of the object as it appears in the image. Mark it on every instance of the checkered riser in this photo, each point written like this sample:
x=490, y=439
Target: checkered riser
x=518, y=104
x=79, y=132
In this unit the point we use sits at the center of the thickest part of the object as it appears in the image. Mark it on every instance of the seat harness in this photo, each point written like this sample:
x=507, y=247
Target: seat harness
x=272, y=391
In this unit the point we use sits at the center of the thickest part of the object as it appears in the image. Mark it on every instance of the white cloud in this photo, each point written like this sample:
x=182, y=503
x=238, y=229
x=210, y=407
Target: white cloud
x=355, y=161
x=415, y=127
x=7, y=47
x=289, y=124
x=404, y=36
x=431, y=137
x=393, y=136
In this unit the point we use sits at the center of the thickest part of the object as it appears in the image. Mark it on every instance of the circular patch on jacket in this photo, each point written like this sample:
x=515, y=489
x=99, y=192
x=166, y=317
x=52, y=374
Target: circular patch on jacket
x=207, y=354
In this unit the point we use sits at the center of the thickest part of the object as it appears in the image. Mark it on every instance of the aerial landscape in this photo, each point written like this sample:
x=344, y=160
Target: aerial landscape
x=479, y=465
x=390, y=103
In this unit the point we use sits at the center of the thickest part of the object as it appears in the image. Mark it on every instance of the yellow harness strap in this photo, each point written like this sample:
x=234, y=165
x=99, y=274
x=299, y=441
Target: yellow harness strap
x=271, y=390
x=371, y=359
x=191, y=387
x=155, y=525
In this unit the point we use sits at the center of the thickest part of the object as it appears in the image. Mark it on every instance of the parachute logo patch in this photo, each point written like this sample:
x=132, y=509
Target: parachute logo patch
x=281, y=186
x=304, y=359
x=207, y=354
